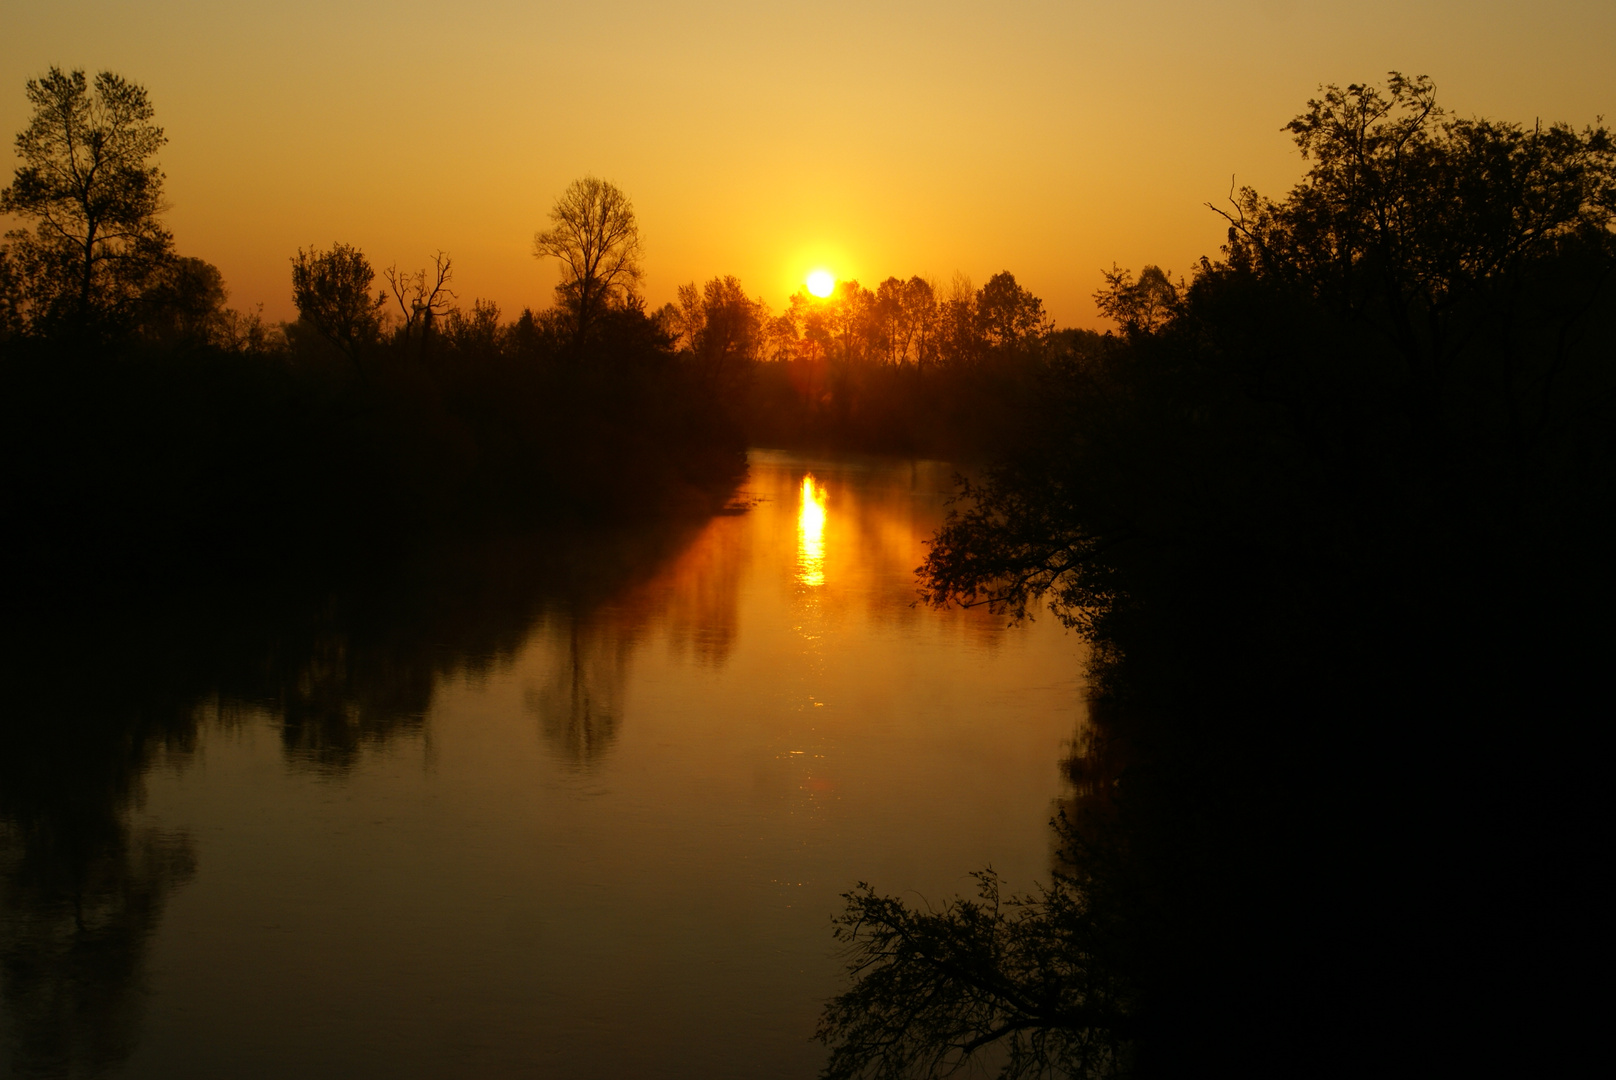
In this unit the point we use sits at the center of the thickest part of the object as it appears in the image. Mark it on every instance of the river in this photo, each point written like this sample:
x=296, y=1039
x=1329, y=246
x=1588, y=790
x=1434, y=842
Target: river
x=590, y=824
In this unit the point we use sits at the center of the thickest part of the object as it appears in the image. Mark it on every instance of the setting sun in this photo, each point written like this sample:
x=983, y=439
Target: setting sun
x=821, y=283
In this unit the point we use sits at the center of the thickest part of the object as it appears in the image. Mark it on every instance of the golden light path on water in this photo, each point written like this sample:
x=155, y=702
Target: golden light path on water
x=811, y=534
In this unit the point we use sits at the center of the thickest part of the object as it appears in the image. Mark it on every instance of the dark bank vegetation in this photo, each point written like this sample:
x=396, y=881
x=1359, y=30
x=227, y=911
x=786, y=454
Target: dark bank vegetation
x=1336, y=513
x=149, y=424
x=145, y=418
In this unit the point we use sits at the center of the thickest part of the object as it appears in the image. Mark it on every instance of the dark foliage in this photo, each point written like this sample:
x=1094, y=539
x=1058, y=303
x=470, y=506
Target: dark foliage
x=163, y=453
x=1336, y=515
x=1021, y=982
x=88, y=185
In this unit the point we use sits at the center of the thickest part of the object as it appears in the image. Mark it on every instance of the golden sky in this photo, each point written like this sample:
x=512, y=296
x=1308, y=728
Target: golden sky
x=763, y=140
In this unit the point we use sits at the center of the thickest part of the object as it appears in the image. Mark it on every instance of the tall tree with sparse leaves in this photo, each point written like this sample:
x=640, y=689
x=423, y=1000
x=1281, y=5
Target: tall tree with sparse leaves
x=594, y=235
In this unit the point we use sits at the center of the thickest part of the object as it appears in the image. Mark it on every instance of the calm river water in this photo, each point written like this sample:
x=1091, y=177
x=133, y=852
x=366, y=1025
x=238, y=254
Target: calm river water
x=591, y=838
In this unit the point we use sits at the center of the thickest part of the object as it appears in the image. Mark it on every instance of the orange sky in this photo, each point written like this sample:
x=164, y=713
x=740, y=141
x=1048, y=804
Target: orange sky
x=1050, y=139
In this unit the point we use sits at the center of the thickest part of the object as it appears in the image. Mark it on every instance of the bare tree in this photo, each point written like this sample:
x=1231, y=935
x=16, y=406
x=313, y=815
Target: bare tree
x=597, y=241
x=424, y=296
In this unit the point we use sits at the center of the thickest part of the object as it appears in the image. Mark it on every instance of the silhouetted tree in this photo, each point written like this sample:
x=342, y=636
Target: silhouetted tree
x=1435, y=236
x=1010, y=317
x=1020, y=981
x=423, y=297
x=1433, y=287
x=185, y=305
x=1137, y=306
x=13, y=312
x=479, y=332
x=720, y=328
x=850, y=314
x=88, y=184
x=594, y=235
x=906, y=314
x=958, y=341
x=332, y=292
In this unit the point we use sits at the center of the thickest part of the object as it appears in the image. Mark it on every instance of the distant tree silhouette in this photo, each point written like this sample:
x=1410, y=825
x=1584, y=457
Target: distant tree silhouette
x=13, y=310
x=958, y=345
x=903, y=322
x=1137, y=306
x=594, y=235
x=478, y=332
x=906, y=314
x=331, y=290
x=1010, y=317
x=423, y=297
x=901, y=368
x=719, y=328
x=185, y=305
x=88, y=184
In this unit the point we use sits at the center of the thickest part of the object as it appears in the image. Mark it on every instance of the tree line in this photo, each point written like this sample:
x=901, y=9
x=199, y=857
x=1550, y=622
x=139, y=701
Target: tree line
x=902, y=323
x=140, y=404
x=909, y=366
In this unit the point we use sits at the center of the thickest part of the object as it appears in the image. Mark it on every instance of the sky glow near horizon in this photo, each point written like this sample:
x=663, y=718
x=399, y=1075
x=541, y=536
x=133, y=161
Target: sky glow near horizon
x=1049, y=139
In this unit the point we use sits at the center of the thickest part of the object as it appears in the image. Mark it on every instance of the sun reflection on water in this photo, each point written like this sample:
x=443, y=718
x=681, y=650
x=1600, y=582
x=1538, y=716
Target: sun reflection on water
x=811, y=534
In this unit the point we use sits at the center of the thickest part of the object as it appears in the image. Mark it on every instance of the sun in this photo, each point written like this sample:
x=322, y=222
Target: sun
x=821, y=283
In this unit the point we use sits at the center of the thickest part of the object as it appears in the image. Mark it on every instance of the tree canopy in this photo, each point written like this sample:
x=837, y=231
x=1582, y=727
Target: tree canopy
x=332, y=292
x=88, y=183
x=594, y=235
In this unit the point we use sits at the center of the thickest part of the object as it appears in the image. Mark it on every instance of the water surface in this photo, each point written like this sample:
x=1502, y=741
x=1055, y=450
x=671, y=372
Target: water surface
x=582, y=815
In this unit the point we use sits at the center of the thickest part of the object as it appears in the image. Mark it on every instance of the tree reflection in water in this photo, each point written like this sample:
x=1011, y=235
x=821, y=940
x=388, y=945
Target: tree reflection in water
x=75, y=916
x=591, y=637
x=80, y=889
x=342, y=657
x=350, y=657
x=580, y=705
